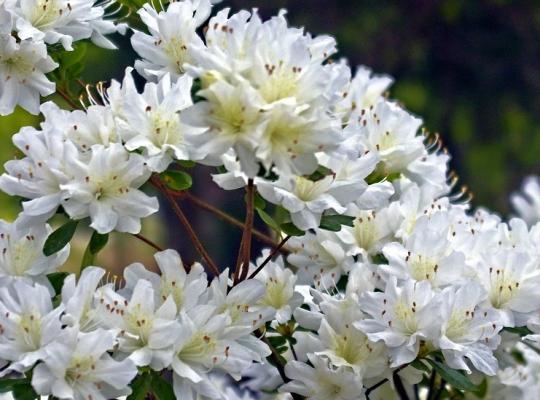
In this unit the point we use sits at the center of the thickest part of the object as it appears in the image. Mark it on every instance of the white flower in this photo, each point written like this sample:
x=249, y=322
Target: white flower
x=427, y=254
x=23, y=66
x=527, y=202
x=279, y=294
x=391, y=132
x=21, y=252
x=80, y=298
x=95, y=125
x=106, y=189
x=232, y=115
x=401, y=316
x=185, y=288
x=147, y=332
x=172, y=34
x=346, y=346
x=39, y=175
x=63, y=21
x=371, y=230
x=153, y=121
x=79, y=367
x=511, y=279
x=207, y=342
x=320, y=257
x=28, y=324
x=365, y=90
x=321, y=381
x=305, y=199
x=468, y=332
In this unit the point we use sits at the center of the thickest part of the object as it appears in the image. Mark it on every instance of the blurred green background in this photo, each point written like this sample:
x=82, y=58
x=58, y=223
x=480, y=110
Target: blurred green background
x=471, y=69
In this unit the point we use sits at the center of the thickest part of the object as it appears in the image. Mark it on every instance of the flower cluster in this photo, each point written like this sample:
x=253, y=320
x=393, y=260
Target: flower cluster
x=388, y=280
x=29, y=30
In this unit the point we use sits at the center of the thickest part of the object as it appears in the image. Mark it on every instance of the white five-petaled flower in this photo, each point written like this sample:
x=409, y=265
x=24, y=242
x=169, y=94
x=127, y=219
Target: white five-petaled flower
x=401, y=316
x=322, y=381
x=106, y=188
x=21, y=252
x=28, y=324
x=153, y=121
x=23, y=65
x=172, y=34
x=78, y=367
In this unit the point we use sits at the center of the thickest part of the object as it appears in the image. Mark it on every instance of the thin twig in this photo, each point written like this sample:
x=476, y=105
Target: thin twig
x=245, y=247
x=147, y=241
x=191, y=232
x=270, y=257
x=66, y=97
x=382, y=382
x=400, y=389
x=229, y=219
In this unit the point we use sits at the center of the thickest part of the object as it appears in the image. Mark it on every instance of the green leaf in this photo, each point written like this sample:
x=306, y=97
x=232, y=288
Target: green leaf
x=177, y=180
x=259, y=202
x=268, y=220
x=24, y=391
x=186, y=163
x=7, y=385
x=454, y=378
x=57, y=281
x=161, y=388
x=290, y=229
x=59, y=238
x=521, y=331
x=277, y=341
x=140, y=387
x=418, y=364
x=97, y=242
x=333, y=222
x=481, y=390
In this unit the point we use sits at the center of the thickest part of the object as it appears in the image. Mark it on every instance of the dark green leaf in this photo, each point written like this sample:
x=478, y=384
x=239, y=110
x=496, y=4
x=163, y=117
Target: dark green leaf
x=24, y=391
x=177, y=180
x=259, y=202
x=186, y=163
x=290, y=229
x=455, y=378
x=333, y=222
x=521, y=331
x=268, y=220
x=161, y=388
x=277, y=341
x=59, y=238
x=481, y=390
x=97, y=242
x=418, y=364
x=140, y=387
x=7, y=385
x=57, y=281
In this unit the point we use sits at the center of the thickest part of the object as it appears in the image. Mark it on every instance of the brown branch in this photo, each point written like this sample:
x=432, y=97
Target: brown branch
x=242, y=262
x=147, y=241
x=270, y=256
x=68, y=99
x=191, y=232
x=229, y=219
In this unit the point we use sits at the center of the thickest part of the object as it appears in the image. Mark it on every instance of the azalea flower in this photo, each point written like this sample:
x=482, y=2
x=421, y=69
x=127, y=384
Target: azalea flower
x=23, y=65
x=78, y=367
x=106, y=189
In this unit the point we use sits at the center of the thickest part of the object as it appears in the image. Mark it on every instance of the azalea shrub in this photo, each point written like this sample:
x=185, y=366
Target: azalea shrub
x=379, y=279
